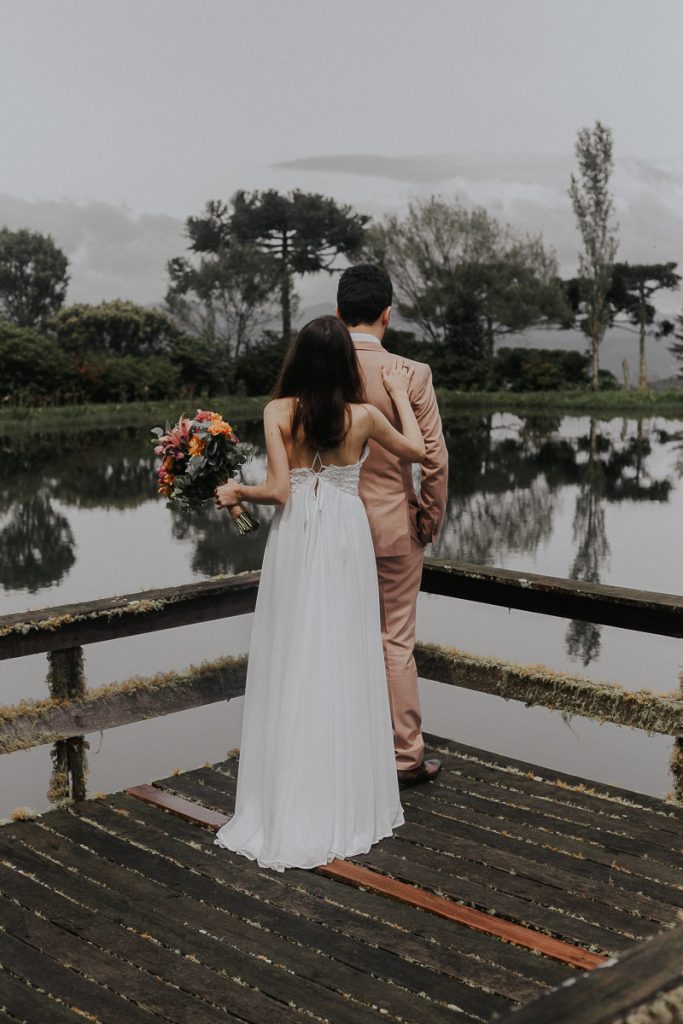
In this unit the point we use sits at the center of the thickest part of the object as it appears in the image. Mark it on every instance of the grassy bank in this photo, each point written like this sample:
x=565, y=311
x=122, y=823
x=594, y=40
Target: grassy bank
x=112, y=416
x=603, y=404
x=241, y=409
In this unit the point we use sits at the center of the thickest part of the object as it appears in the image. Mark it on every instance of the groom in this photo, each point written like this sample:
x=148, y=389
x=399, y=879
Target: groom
x=401, y=525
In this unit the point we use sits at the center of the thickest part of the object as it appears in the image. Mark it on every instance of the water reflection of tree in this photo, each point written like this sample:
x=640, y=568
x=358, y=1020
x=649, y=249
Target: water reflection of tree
x=99, y=469
x=105, y=471
x=484, y=527
x=36, y=545
x=611, y=473
x=592, y=547
x=502, y=479
x=216, y=546
x=505, y=478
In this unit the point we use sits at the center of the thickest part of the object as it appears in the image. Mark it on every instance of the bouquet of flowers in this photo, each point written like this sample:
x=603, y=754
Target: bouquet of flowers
x=197, y=455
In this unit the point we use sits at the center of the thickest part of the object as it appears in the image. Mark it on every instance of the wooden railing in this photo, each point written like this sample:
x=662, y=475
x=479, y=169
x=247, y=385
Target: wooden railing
x=71, y=709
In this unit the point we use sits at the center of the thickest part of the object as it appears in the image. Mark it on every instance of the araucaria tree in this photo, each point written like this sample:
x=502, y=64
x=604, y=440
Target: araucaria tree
x=33, y=277
x=594, y=210
x=633, y=285
x=303, y=232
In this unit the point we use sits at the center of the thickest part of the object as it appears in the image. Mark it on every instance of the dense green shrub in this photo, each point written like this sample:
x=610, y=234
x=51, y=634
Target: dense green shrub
x=541, y=369
x=100, y=378
x=256, y=370
x=118, y=328
x=34, y=368
x=203, y=366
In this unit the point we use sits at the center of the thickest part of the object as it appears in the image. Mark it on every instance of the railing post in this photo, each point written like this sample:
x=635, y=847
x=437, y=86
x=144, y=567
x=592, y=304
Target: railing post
x=66, y=680
x=677, y=772
x=676, y=764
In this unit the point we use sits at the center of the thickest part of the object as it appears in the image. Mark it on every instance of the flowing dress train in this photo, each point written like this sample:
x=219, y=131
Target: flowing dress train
x=317, y=773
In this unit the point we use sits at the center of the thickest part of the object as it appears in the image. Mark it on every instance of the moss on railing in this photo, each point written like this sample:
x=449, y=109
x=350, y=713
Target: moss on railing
x=29, y=713
x=558, y=691
x=56, y=622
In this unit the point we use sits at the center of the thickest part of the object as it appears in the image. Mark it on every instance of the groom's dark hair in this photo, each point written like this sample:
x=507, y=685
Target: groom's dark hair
x=364, y=291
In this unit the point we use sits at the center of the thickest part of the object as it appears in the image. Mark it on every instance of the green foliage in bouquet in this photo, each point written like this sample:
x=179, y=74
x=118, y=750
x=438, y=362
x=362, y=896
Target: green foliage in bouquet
x=197, y=455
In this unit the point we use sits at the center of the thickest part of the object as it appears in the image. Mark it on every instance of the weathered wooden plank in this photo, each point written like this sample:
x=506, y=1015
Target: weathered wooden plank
x=532, y=855
x=218, y=940
x=187, y=974
x=642, y=610
x=25, y=1003
x=74, y=625
x=623, y=862
x=519, y=877
x=276, y=915
x=147, y=611
x=408, y=979
x=455, y=950
x=622, y=985
x=440, y=798
x=414, y=868
x=36, y=722
x=487, y=849
x=471, y=890
x=536, y=685
x=260, y=930
x=355, y=875
x=67, y=984
x=620, y=800
x=140, y=994
x=460, y=780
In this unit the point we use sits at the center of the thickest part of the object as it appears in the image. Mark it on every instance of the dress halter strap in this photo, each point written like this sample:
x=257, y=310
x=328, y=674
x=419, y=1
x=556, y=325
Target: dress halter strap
x=317, y=459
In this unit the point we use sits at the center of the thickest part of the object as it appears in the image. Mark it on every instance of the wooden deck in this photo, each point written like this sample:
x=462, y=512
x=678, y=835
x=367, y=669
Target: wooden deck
x=119, y=912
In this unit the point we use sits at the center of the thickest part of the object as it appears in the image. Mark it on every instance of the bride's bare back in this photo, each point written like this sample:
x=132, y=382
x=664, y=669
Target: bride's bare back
x=286, y=452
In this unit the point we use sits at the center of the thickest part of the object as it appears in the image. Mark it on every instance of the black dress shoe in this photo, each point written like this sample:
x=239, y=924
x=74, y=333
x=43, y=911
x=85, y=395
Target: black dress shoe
x=424, y=772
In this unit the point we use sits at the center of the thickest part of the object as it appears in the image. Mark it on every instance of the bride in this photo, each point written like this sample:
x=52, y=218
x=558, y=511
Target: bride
x=317, y=774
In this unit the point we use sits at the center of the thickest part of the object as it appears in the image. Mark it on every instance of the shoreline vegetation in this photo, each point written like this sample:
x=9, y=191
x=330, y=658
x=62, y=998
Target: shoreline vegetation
x=241, y=409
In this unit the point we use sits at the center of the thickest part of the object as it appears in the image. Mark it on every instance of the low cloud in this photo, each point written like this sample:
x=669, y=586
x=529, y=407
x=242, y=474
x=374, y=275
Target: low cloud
x=527, y=190
x=112, y=252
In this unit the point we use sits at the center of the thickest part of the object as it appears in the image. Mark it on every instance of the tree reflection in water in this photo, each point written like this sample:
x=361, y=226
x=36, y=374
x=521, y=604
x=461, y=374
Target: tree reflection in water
x=508, y=477
x=36, y=545
x=592, y=546
x=85, y=470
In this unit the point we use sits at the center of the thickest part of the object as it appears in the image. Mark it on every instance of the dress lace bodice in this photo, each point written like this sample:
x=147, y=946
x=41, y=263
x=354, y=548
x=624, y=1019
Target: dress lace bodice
x=344, y=478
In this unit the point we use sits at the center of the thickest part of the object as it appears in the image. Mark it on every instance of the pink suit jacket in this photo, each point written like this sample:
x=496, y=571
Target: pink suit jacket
x=386, y=485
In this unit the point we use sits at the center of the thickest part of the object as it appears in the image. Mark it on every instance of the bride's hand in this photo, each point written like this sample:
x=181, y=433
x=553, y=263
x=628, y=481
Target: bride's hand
x=397, y=378
x=226, y=495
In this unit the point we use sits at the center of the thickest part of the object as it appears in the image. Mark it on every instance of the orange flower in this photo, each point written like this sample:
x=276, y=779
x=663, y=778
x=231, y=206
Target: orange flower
x=169, y=462
x=196, y=446
x=218, y=426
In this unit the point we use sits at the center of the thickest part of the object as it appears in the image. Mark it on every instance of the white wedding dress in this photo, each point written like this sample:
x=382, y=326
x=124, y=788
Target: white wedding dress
x=317, y=774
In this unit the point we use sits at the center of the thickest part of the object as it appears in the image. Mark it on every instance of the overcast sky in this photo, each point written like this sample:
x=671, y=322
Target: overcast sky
x=122, y=117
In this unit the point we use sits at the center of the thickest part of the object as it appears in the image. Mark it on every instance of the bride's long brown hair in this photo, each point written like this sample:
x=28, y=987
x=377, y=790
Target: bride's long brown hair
x=321, y=370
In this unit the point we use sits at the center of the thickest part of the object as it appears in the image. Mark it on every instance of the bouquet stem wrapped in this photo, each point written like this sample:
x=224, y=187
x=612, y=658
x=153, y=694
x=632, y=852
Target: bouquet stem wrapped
x=197, y=455
x=242, y=520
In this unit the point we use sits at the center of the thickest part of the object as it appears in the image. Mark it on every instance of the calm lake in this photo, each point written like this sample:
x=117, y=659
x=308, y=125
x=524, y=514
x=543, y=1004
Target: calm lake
x=572, y=497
